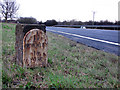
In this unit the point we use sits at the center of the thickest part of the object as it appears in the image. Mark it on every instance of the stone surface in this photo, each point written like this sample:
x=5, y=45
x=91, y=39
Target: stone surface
x=19, y=44
x=35, y=48
x=21, y=33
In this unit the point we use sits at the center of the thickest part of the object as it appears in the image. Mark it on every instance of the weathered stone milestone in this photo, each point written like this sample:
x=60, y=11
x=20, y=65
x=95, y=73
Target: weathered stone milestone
x=31, y=45
x=35, y=48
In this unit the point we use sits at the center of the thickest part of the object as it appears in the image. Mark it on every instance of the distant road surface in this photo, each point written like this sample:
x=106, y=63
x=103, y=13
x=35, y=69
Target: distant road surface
x=106, y=40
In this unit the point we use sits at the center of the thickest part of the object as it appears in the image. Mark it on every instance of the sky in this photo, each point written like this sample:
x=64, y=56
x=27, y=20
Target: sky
x=60, y=10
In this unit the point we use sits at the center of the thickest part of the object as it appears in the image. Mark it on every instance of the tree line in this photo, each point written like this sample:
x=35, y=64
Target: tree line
x=74, y=22
x=32, y=20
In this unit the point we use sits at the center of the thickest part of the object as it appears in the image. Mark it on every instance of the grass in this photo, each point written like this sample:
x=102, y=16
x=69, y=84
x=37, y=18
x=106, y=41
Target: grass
x=70, y=65
x=0, y=56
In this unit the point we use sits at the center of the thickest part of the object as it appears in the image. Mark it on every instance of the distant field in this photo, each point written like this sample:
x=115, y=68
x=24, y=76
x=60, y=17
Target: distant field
x=71, y=65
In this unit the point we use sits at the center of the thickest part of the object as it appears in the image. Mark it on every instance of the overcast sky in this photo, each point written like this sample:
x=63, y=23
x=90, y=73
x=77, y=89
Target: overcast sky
x=61, y=10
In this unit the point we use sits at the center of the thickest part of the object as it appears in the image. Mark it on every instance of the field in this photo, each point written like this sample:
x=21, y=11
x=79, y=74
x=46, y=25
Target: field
x=70, y=65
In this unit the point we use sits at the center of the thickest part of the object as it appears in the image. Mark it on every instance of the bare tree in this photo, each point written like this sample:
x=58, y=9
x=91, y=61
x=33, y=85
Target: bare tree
x=8, y=9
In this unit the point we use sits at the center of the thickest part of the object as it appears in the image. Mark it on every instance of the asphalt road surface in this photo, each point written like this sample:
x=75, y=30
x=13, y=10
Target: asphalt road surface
x=106, y=40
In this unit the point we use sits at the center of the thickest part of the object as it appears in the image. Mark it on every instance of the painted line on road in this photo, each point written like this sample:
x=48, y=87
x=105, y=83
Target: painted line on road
x=86, y=37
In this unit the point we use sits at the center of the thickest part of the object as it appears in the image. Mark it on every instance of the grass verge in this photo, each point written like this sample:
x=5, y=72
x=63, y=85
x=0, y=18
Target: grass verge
x=70, y=65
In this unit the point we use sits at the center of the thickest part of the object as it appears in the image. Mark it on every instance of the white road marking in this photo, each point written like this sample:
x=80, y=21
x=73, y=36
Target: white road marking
x=86, y=37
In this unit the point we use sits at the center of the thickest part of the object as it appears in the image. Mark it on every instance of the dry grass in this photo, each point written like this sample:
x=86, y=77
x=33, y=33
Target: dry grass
x=71, y=65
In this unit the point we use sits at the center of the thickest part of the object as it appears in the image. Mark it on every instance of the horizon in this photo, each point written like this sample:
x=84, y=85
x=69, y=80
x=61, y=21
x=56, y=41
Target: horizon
x=67, y=10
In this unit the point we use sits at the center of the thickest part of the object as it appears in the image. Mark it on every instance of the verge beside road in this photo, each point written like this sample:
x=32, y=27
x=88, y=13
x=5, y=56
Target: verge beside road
x=71, y=65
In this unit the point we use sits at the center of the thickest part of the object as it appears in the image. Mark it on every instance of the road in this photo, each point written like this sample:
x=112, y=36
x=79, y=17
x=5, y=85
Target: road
x=106, y=40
